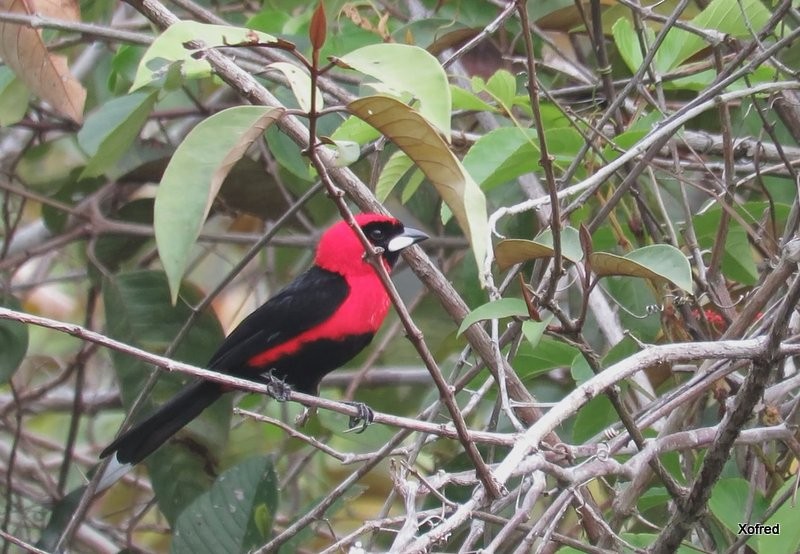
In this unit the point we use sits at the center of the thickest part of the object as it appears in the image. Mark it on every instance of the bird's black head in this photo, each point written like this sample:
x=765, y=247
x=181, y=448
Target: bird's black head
x=391, y=236
x=340, y=250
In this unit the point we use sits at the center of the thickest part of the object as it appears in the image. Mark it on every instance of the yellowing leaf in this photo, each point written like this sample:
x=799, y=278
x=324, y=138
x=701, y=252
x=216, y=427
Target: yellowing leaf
x=45, y=74
x=421, y=142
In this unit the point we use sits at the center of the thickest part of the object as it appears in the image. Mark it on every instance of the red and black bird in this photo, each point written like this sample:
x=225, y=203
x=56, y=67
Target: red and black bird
x=319, y=322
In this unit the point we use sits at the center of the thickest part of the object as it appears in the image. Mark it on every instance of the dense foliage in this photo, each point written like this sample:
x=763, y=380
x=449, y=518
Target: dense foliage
x=602, y=328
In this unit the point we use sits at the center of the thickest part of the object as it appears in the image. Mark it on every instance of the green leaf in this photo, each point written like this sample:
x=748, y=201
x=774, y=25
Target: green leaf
x=504, y=307
x=123, y=68
x=271, y=21
x=547, y=355
x=738, y=261
x=701, y=80
x=579, y=370
x=730, y=498
x=592, y=419
x=412, y=185
x=13, y=340
x=635, y=295
x=627, y=42
x=345, y=152
x=623, y=350
x=138, y=312
x=394, y=169
x=509, y=152
x=169, y=48
x=502, y=155
x=659, y=261
x=465, y=100
x=786, y=517
x=622, y=143
x=113, y=249
x=193, y=177
x=533, y=331
x=300, y=83
x=71, y=193
x=563, y=144
x=109, y=132
x=60, y=516
x=250, y=189
x=14, y=98
x=415, y=136
x=235, y=515
x=653, y=498
x=736, y=19
x=288, y=155
x=355, y=129
x=408, y=69
x=49, y=166
x=570, y=242
x=502, y=86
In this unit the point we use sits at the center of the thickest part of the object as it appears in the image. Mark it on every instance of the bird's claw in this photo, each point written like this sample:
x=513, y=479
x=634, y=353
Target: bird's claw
x=277, y=388
x=358, y=423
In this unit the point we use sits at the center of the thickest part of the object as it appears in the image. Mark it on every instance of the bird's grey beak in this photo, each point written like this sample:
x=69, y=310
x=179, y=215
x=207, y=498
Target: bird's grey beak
x=408, y=237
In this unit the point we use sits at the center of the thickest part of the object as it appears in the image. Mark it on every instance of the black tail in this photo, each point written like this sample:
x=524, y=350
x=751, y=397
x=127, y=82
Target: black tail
x=138, y=442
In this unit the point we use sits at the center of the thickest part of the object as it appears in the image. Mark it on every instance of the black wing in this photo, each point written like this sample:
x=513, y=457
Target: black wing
x=307, y=301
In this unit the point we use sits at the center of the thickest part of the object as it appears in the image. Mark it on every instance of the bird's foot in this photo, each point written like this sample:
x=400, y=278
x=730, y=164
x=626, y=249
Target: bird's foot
x=278, y=389
x=359, y=422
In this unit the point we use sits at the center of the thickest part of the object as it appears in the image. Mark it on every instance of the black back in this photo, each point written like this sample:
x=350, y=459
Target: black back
x=307, y=301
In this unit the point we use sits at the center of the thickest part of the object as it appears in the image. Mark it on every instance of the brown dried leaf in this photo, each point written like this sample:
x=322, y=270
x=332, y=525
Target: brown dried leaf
x=317, y=31
x=45, y=74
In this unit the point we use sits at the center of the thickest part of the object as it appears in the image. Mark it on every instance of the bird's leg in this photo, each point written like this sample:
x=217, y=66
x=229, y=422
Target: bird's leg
x=278, y=388
x=359, y=423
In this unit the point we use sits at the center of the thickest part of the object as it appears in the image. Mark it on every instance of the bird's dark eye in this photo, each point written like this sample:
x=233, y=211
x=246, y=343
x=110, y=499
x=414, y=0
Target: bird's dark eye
x=377, y=235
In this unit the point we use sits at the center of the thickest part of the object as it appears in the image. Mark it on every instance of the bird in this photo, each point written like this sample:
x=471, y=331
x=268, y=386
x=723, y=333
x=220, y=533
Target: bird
x=317, y=323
